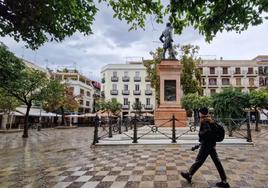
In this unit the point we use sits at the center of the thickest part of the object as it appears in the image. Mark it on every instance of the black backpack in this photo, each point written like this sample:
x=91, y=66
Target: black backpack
x=219, y=131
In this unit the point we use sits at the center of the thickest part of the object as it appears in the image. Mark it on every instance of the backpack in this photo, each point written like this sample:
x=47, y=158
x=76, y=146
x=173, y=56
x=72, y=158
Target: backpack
x=220, y=132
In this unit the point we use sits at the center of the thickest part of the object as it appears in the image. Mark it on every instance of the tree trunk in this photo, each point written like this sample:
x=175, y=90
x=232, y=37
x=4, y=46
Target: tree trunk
x=63, y=116
x=25, y=133
x=256, y=119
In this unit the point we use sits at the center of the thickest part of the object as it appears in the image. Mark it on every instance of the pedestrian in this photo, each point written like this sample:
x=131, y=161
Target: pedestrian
x=207, y=141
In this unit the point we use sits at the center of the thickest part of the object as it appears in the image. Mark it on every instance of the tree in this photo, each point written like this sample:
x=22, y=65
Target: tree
x=229, y=103
x=258, y=99
x=138, y=106
x=7, y=104
x=192, y=101
x=191, y=76
x=208, y=16
x=114, y=106
x=32, y=21
x=60, y=97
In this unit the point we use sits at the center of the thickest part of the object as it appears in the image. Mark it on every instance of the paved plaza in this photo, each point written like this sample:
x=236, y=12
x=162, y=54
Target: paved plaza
x=63, y=158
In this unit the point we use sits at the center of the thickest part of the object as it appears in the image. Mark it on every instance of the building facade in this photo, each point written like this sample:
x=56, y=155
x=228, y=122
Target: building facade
x=219, y=74
x=127, y=83
x=80, y=85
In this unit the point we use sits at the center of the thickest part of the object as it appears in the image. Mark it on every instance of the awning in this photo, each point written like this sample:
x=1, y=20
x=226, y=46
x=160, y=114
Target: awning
x=35, y=112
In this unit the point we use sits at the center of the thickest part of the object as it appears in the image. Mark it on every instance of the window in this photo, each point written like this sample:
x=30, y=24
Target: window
x=81, y=102
x=204, y=81
x=225, y=81
x=148, y=100
x=148, y=87
x=250, y=70
x=137, y=74
x=137, y=100
x=114, y=87
x=212, y=92
x=201, y=70
x=88, y=93
x=137, y=87
x=125, y=87
x=114, y=74
x=87, y=103
x=225, y=70
x=238, y=81
x=212, y=81
x=126, y=74
x=81, y=91
x=212, y=70
x=125, y=101
x=251, y=81
x=237, y=71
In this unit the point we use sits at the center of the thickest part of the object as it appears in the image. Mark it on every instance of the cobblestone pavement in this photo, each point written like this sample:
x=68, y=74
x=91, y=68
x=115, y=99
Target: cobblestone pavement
x=63, y=158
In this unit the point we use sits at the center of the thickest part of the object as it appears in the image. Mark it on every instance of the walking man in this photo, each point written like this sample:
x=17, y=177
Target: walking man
x=207, y=147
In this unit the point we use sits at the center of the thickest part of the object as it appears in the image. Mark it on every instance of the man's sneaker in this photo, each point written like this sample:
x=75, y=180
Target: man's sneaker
x=187, y=176
x=224, y=185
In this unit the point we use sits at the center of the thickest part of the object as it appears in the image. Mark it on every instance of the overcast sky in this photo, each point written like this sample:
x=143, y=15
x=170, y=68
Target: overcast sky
x=112, y=43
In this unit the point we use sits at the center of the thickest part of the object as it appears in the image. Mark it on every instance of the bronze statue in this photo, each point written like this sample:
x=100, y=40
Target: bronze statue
x=168, y=34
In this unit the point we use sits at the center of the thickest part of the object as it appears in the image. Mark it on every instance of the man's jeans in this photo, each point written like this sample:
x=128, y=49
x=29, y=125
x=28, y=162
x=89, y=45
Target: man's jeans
x=202, y=156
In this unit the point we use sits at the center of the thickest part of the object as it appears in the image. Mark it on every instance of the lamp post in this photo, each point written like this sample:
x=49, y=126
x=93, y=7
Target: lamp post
x=40, y=118
x=128, y=109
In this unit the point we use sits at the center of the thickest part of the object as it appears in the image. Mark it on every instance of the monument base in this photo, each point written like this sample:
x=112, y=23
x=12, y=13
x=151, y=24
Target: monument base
x=167, y=113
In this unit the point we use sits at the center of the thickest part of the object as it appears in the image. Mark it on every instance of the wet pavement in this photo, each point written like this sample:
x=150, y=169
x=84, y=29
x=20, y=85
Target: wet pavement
x=63, y=158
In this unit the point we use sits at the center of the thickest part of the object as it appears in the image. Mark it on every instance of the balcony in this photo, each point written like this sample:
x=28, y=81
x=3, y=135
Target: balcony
x=137, y=79
x=147, y=79
x=125, y=92
x=225, y=74
x=102, y=94
x=114, y=79
x=125, y=78
x=213, y=85
x=238, y=74
x=103, y=80
x=148, y=92
x=114, y=92
x=125, y=107
x=136, y=92
x=96, y=95
x=252, y=74
x=226, y=85
x=148, y=107
x=213, y=73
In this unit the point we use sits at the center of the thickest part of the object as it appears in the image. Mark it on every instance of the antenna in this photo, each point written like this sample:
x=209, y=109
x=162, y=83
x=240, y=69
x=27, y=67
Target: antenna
x=47, y=62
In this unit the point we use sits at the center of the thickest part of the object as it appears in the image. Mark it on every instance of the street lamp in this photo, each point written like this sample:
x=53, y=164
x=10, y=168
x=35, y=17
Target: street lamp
x=128, y=109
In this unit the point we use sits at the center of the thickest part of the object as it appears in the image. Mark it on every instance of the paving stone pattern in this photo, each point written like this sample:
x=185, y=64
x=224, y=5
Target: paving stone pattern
x=63, y=158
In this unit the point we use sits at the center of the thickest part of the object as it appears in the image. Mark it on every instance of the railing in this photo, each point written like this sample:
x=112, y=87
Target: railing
x=114, y=78
x=125, y=78
x=148, y=92
x=103, y=80
x=150, y=106
x=125, y=107
x=125, y=92
x=114, y=92
x=137, y=78
x=136, y=92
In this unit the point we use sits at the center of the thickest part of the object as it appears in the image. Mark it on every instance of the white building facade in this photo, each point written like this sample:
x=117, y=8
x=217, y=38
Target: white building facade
x=219, y=74
x=127, y=83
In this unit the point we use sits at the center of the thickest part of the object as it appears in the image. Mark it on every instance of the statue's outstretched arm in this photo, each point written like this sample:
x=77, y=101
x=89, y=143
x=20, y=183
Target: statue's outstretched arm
x=161, y=38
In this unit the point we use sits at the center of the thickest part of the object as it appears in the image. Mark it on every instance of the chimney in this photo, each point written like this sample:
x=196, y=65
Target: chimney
x=221, y=58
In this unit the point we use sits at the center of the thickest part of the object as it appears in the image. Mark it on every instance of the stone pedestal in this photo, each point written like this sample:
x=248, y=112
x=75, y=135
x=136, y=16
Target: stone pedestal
x=170, y=93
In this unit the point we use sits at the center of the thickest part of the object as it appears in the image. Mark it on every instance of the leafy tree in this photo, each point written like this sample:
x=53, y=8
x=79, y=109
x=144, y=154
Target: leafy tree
x=192, y=101
x=191, y=76
x=138, y=106
x=7, y=104
x=258, y=99
x=32, y=21
x=208, y=16
x=114, y=106
x=229, y=103
x=60, y=97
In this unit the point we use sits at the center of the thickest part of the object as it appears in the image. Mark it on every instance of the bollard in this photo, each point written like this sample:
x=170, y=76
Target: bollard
x=135, y=140
x=110, y=128
x=119, y=126
x=249, y=139
x=173, y=130
x=96, y=131
x=126, y=124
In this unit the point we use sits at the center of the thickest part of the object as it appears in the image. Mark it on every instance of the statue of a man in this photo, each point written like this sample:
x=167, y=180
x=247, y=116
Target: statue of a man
x=168, y=34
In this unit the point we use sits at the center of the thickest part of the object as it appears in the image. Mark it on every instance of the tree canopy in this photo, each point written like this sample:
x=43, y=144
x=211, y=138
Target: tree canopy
x=37, y=22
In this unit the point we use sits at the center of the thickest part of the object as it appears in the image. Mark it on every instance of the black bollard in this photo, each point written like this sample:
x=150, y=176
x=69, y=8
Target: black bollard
x=249, y=139
x=135, y=139
x=110, y=128
x=119, y=126
x=126, y=124
x=96, y=132
x=173, y=130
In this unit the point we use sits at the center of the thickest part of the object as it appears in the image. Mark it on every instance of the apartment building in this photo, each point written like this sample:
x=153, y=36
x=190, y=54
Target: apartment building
x=80, y=85
x=219, y=74
x=127, y=83
x=262, y=62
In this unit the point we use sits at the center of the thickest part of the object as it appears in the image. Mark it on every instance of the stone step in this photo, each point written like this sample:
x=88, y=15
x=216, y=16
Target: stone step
x=168, y=142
